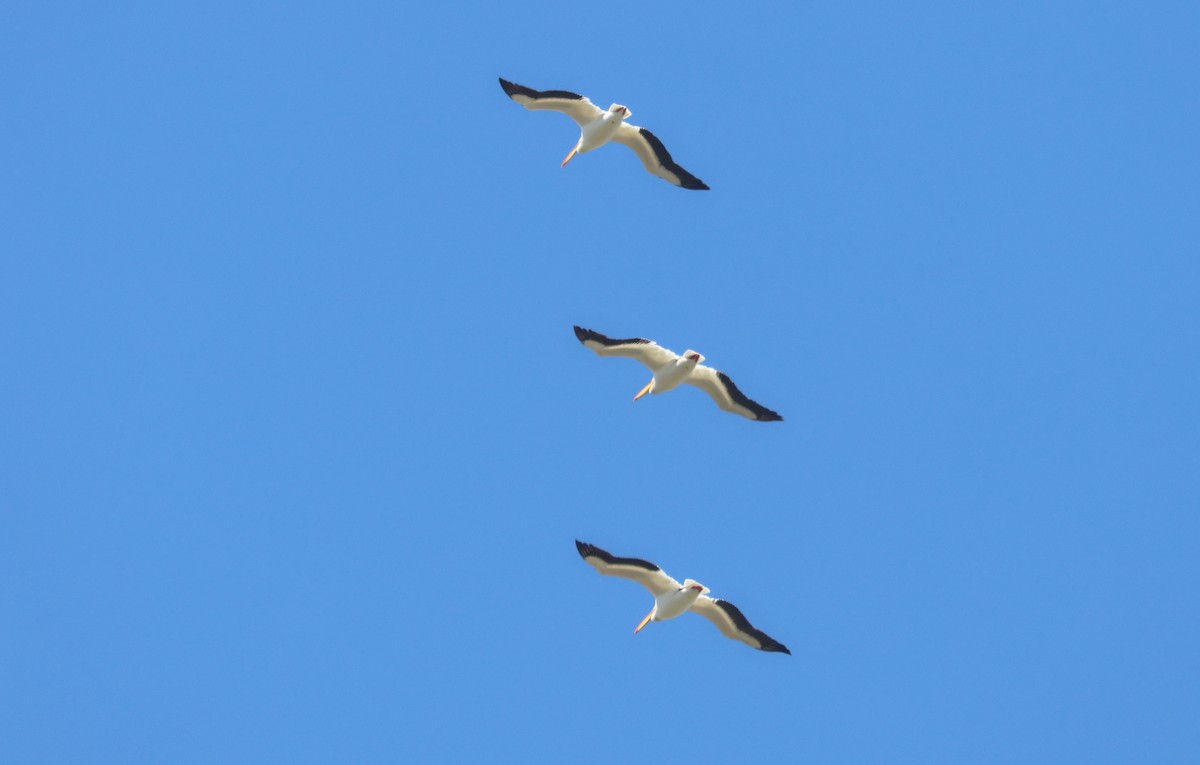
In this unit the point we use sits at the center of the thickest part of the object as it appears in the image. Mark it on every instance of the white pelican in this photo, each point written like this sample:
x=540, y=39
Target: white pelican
x=598, y=127
x=672, y=598
x=670, y=370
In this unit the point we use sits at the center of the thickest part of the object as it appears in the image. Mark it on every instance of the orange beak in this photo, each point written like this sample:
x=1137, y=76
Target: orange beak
x=644, y=622
x=644, y=391
x=568, y=159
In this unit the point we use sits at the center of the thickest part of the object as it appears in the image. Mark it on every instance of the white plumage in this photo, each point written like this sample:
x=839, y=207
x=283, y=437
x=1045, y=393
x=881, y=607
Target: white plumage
x=672, y=599
x=597, y=127
x=672, y=370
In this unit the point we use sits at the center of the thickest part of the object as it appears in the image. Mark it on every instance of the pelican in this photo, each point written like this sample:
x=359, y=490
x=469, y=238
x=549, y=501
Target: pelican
x=671, y=370
x=672, y=598
x=597, y=127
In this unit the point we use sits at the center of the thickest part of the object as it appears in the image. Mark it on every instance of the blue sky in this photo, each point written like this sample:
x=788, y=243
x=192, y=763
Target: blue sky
x=298, y=437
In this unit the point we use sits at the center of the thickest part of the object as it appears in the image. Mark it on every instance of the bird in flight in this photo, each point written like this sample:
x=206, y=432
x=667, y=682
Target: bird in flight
x=672, y=370
x=671, y=599
x=597, y=127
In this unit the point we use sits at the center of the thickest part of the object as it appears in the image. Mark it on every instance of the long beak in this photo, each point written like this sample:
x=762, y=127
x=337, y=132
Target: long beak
x=644, y=622
x=644, y=391
x=568, y=159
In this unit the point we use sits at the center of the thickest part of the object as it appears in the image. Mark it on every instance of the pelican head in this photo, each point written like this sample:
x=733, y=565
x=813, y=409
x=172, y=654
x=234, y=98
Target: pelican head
x=692, y=584
x=690, y=355
x=621, y=111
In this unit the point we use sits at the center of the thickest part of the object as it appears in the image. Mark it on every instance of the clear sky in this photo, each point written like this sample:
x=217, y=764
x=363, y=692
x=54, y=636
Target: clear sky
x=298, y=439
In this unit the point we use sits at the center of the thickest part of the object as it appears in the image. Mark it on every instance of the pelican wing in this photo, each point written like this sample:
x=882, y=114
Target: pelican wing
x=734, y=624
x=650, y=353
x=655, y=156
x=573, y=105
x=726, y=394
x=641, y=571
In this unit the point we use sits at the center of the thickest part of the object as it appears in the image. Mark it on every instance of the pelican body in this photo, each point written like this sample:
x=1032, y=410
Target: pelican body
x=671, y=604
x=672, y=374
x=601, y=130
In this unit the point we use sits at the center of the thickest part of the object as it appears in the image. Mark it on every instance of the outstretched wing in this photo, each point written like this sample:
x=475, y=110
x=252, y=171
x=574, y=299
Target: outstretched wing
x=571, y=104
x=650, y=353
x=655, y=156
x=726, y=394
x=641, y=571
x=734, y=624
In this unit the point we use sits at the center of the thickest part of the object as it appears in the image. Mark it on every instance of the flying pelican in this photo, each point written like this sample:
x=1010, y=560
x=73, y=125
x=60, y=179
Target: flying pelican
x=671, y=369
x=598, y=127
x=672, y=598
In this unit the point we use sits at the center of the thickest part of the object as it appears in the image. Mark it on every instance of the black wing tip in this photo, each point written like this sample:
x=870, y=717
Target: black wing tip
x=591, y=551
x=765, y=641
x=583, y=335
x=761, y=413
x=513, y=90
x=686, y=179
x=590, y=334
